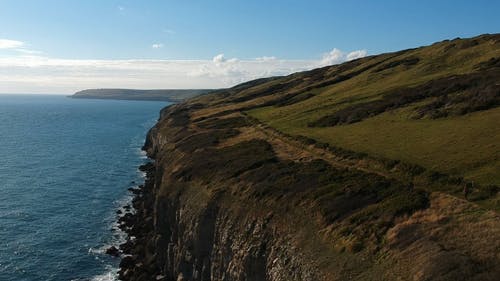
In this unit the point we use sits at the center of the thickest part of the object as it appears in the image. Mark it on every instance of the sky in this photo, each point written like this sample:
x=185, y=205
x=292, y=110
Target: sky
x=62, y=46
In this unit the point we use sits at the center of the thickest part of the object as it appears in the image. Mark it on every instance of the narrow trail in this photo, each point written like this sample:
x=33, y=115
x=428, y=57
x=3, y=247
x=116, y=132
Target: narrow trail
x=314, y=152
x=309, y=152
x=295, y=150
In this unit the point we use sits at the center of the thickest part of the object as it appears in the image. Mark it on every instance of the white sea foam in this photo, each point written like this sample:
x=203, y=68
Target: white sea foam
x=142, y=154
x=111, y=274
x=98, y=251
x=119, y=237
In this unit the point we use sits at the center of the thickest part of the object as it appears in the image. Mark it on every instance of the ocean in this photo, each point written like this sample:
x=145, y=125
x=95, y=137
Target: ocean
x=65, y=167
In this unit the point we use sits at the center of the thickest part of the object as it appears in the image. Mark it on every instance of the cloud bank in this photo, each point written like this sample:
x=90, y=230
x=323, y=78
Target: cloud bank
x=32, y=73
x=10, y=44
x=336, y=56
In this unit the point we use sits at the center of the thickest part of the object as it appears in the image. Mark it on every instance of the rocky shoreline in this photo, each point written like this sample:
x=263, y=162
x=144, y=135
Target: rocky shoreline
x=136, y=224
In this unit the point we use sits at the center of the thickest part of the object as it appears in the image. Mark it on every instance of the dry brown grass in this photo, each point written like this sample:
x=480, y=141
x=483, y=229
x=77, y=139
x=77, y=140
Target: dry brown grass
x=451, y=240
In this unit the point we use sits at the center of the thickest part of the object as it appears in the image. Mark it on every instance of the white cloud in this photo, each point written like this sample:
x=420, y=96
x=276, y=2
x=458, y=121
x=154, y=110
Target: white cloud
x=264, y=58
x=121, y=8
x=219, y=58
x=18, y=46
x=356, y=55
x=31, y=73
x=10, y=44
x=336, y=56
x=157, y=46
x=35, y=74
x=29, y=52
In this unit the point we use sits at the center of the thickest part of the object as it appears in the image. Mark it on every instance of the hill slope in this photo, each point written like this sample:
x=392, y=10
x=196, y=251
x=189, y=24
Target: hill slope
x=349, y=172
x=171, y=95
x=435, y=106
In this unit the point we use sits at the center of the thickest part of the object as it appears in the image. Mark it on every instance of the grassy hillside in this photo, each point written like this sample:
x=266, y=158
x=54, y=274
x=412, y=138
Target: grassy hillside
x=434, y=106
x=348, y=172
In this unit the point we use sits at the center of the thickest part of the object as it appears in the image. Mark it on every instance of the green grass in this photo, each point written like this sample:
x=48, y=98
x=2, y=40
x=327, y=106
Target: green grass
x=434, y=64
x=467, y=145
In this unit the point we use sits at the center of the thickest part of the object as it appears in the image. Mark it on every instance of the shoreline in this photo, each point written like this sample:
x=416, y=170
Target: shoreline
x=136, y=223
x=128, y=221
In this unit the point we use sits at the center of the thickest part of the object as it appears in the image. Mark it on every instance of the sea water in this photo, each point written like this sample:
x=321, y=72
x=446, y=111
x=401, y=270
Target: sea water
x=65, y=167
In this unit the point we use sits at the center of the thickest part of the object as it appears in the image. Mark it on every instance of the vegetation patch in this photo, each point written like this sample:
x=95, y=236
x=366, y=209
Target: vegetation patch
x=365, y=203
x=481, y=91
x=403, y=62
x=461, y=103
x=205, y=140
x=295, y=99
x=227, y=162
x=267, y=91
x=178, y=116
x=493, y=62
x=224, y=123
x=368, y=226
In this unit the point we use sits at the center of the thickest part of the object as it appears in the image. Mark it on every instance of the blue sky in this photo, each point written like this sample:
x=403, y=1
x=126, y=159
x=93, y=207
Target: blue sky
x=256, y=37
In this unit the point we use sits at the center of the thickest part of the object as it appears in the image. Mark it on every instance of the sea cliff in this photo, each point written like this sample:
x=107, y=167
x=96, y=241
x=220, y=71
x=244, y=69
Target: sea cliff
x=236, y=193
x=190, y=226
x=228, y=199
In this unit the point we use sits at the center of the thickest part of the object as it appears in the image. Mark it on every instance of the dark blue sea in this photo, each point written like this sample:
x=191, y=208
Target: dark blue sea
x=65, y=166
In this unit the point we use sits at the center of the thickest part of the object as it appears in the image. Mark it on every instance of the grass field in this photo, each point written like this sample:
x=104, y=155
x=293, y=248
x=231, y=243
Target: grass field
x=465, y=145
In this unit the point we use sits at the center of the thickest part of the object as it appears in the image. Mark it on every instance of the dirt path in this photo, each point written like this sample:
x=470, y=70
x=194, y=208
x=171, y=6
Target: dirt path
x=288, y=148
x=310, y=152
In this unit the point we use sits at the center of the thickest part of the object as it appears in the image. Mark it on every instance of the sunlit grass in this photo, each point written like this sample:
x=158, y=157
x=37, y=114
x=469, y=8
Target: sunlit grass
x=465, y=145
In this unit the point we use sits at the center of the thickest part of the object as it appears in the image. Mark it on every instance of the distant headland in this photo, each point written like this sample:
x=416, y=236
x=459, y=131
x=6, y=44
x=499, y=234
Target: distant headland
x=170, y=95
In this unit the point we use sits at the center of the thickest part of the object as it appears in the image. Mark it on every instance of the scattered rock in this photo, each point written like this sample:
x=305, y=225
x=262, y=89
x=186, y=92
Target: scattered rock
x=113, y=251
x=135, y=191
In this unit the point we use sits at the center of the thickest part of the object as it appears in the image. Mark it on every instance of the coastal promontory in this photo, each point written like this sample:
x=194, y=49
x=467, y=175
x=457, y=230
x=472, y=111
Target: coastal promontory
x=169, y=95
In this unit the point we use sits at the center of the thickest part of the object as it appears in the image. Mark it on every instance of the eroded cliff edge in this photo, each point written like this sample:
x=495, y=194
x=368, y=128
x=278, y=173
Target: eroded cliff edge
x=251, y=183
x=229, y=199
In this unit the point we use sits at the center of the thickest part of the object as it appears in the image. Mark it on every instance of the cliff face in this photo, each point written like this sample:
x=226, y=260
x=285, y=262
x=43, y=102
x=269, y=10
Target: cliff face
x=231, y=198
x=228, y=199
x=198, y=220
